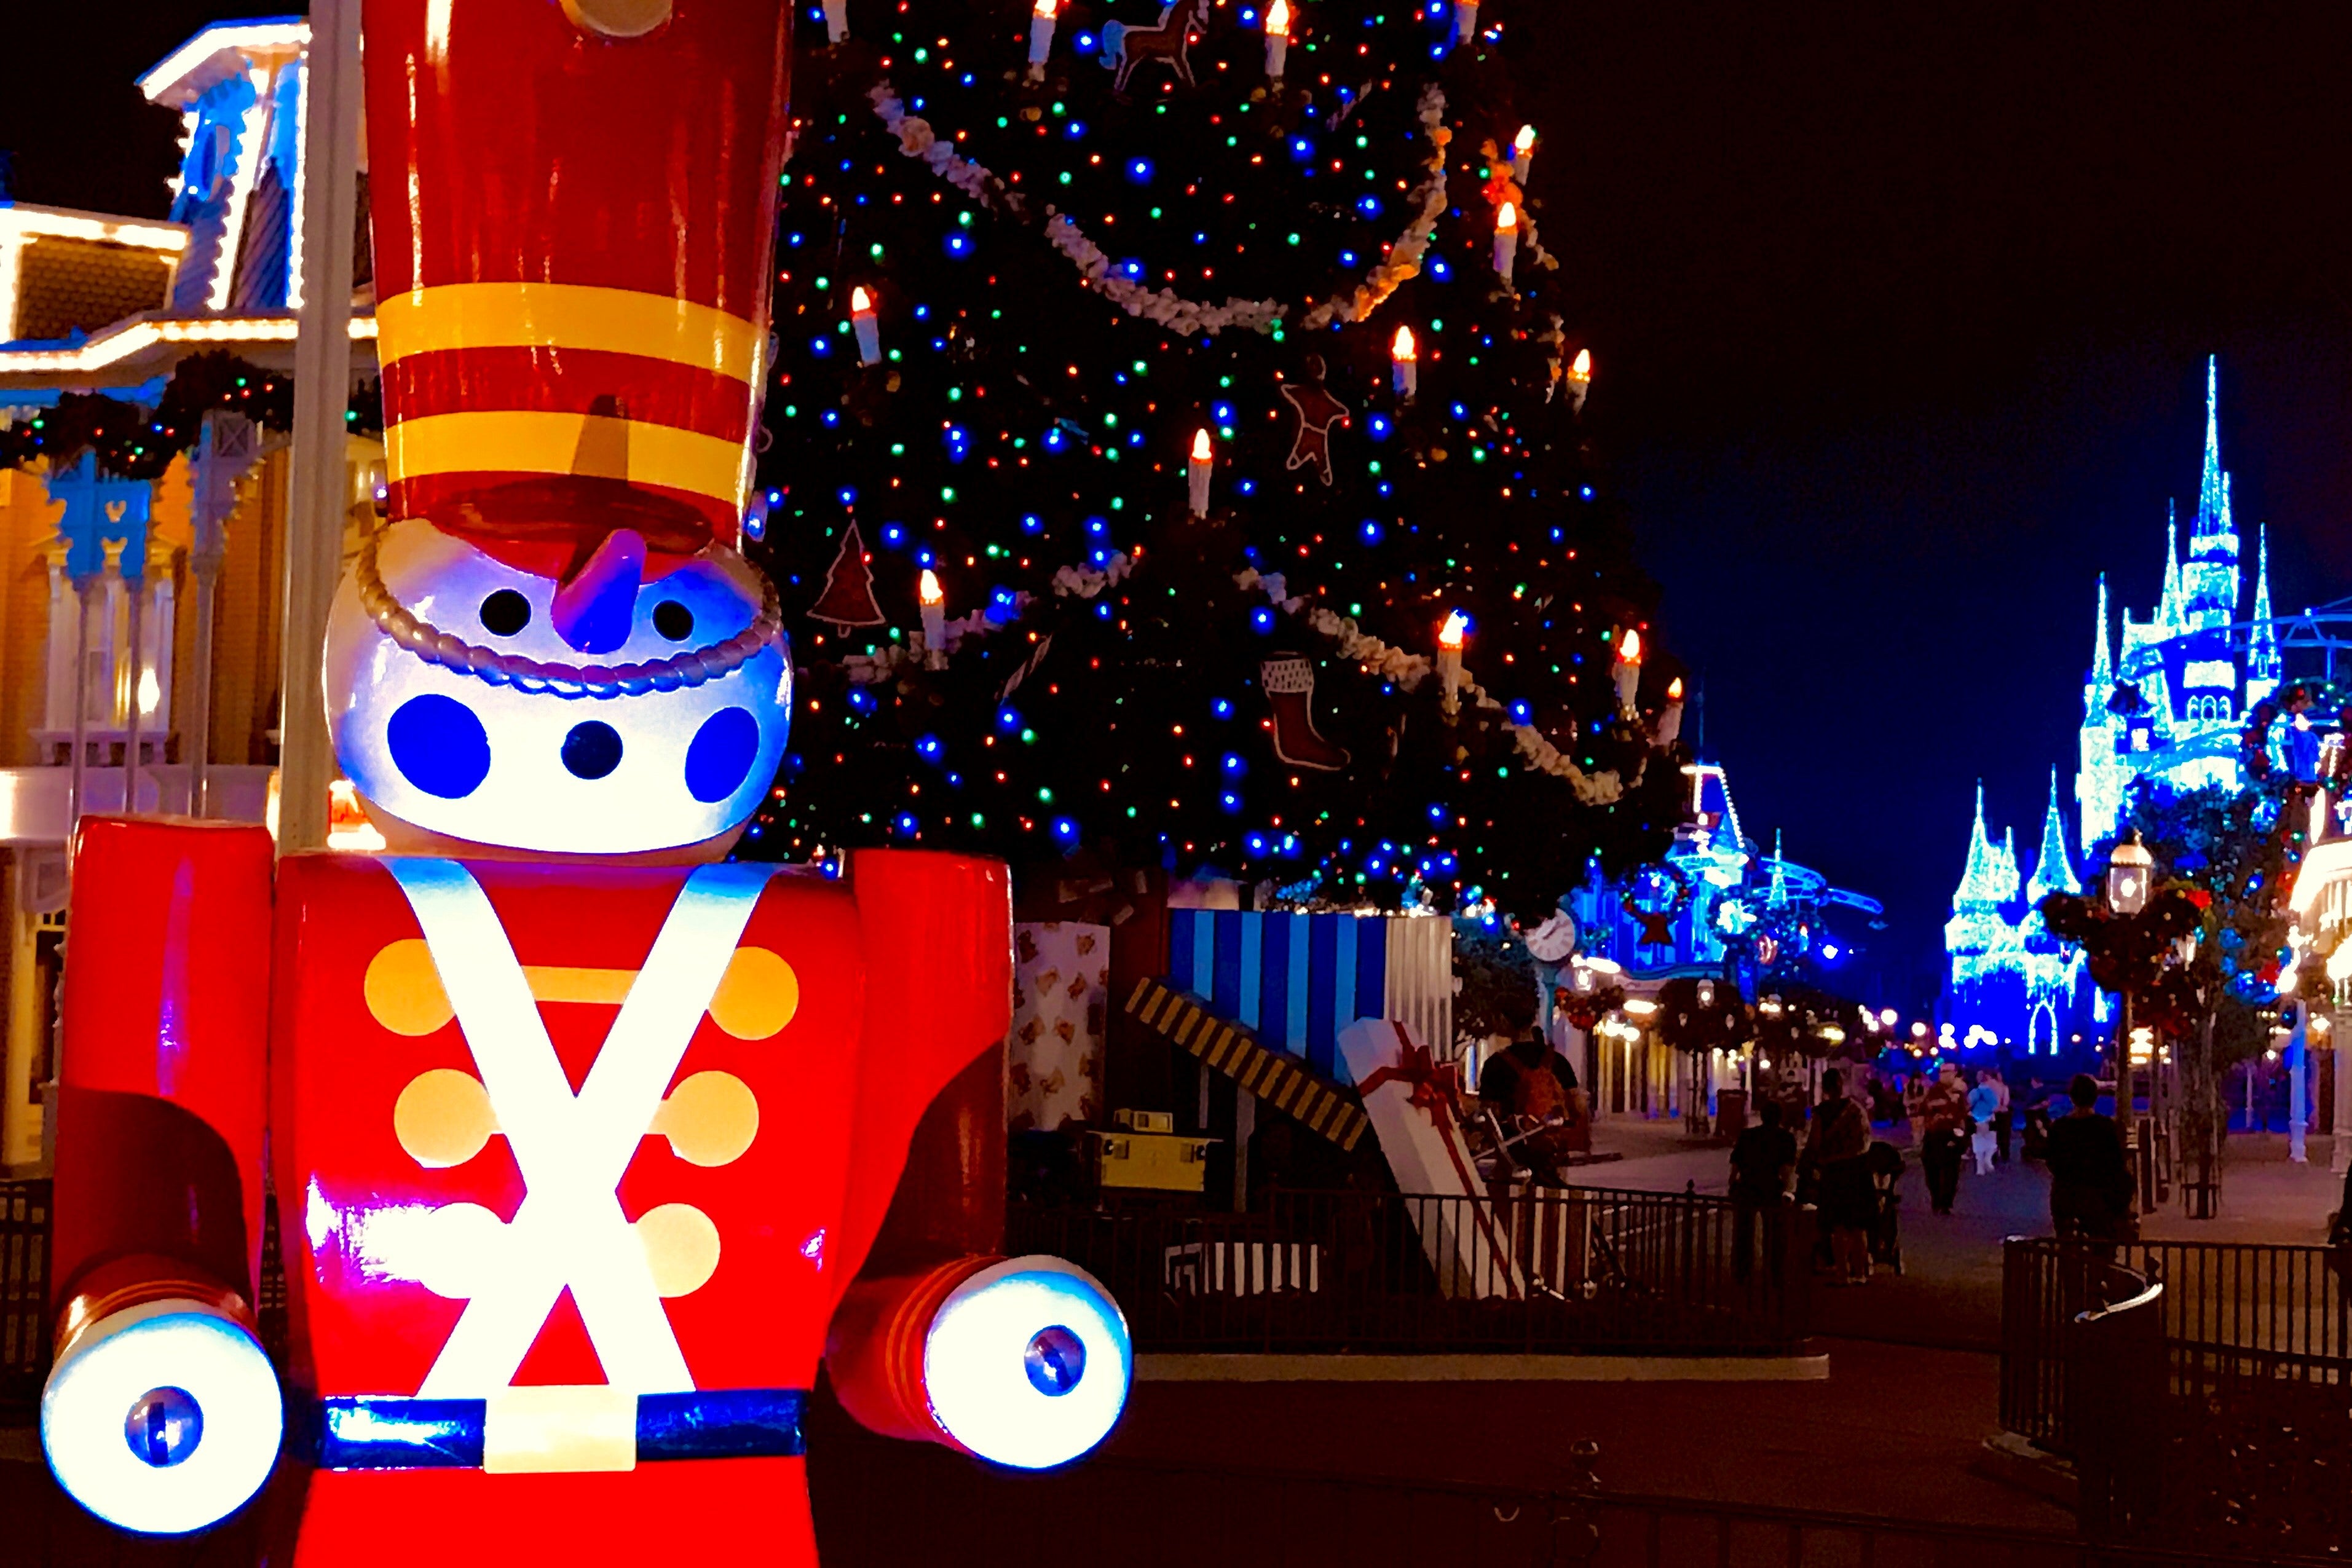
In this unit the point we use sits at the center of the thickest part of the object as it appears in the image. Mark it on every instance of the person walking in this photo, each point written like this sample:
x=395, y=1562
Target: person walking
x=1942, y=1124
x=1763, y=1161
x=1984, y=1104
x=1835, y=1147
x=2089, y=1180
x=2001, y=1117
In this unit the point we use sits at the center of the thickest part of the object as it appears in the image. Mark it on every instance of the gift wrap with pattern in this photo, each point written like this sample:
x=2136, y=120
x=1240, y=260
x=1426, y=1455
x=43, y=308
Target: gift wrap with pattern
x=1297, y=980
x=1061, y=997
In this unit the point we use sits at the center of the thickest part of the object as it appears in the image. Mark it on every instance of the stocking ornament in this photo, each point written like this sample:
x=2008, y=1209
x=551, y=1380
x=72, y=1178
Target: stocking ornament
x=1289, y=683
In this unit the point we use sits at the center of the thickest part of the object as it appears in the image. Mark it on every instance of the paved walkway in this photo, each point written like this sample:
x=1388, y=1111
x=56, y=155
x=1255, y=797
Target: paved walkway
x=1890, y=1433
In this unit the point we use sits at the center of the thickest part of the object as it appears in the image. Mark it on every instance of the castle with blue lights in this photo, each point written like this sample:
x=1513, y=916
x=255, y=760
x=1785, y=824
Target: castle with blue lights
x=2169, y=702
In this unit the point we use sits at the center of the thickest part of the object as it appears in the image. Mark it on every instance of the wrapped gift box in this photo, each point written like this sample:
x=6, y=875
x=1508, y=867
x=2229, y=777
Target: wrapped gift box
x=1295, y=981
x=1409, y=1097
x=1061, y=999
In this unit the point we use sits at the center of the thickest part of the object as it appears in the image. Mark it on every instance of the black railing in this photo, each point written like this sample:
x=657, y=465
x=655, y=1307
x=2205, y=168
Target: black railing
x=2229, y=1309
x=2203, y=1390
x=23, y=1293
x=1574, y=1269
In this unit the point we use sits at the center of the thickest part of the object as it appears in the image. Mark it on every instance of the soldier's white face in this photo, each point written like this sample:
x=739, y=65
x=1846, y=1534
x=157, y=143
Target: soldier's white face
x=512, y=762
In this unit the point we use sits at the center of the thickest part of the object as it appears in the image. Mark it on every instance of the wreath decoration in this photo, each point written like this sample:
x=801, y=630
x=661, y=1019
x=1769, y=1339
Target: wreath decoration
x=1657, y=924
x=1586, y=1009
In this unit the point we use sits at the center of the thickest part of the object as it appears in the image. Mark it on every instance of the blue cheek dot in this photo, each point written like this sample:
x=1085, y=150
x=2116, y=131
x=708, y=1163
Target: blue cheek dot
x=721, y=755
x=440, y=746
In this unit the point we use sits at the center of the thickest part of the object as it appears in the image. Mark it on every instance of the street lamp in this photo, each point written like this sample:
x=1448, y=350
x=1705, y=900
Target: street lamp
x=2130, y=869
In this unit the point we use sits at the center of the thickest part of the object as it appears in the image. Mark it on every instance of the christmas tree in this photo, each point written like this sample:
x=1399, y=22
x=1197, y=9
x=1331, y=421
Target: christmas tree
x=1207, y=368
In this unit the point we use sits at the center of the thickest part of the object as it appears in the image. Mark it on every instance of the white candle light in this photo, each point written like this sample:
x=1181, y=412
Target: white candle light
x=1041, y=36
x=1466, y=20
x=935, y=620
x=1523, y=153
x=1277, y=38
x=1403, y=357
x=1449, y=661
x=836, y=20
x=1196, y=473
x=1579, y=379
x=1507, y=240
x=869, y=332
x=1670, y=722
x=1629, y=668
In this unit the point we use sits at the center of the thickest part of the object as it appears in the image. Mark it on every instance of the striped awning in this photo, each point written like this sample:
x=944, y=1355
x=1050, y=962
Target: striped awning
x=1277, y=1080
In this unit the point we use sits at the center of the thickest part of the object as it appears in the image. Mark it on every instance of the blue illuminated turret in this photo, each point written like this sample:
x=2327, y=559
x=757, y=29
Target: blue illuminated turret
x=2263, y=665
x=2053, y=871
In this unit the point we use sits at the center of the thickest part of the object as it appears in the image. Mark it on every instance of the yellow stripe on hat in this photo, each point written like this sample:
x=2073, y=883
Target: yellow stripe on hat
x=565, y=316
x=532, y=441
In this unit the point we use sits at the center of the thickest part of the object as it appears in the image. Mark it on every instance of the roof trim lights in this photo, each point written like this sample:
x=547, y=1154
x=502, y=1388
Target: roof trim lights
x=138, y=336
x=177, y=74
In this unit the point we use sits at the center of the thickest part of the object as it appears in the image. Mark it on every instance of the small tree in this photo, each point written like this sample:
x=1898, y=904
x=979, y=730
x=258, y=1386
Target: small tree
x=2229, y=855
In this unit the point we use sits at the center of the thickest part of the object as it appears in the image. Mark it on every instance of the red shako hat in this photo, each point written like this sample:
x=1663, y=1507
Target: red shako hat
x=574, y=217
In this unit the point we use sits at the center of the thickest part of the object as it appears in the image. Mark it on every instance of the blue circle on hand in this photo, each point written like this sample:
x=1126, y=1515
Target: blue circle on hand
x=439, y=745
x=1056, y=1360
x=591, y=749
x=164, y=1425
x=722, y=753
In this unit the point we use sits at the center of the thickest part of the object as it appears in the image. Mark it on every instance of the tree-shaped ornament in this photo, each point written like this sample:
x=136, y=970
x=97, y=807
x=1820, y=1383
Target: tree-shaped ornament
x=848, y=597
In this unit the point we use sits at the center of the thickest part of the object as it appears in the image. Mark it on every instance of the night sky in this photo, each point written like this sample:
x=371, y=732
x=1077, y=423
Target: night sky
x=1900, y=316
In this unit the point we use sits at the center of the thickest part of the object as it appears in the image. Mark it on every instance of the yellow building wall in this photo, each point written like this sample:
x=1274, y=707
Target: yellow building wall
x=28, y=522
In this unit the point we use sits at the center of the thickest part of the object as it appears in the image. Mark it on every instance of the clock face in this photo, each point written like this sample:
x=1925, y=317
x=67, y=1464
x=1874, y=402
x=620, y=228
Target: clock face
x=1554, y=940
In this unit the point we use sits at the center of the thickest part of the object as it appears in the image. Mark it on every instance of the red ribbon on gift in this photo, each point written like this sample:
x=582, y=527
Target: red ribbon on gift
x=1433, y=1087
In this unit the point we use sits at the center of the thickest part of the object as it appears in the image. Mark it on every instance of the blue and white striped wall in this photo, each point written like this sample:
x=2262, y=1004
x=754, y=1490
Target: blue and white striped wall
x=1296, y=980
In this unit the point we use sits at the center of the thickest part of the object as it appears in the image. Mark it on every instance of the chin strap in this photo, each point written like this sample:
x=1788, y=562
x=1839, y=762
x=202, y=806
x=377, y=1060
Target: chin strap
x=678, y=671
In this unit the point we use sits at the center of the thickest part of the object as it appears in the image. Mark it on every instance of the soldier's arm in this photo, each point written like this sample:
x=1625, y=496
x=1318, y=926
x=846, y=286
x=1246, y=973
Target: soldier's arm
x=1023, y=1361
x=162, y=1413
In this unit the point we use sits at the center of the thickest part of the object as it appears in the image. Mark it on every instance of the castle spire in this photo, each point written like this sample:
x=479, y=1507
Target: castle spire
x=2169, y=608
x=2264, y=664
x=2213, y=501
x=1779, y=896
x=2055, y=872
x=1980, y=880
x=2007, y=869
x=2103, y=670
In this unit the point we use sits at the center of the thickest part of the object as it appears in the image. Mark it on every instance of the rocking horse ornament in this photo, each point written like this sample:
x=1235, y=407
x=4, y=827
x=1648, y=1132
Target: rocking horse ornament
x=582, y=1137
x=1169, y=40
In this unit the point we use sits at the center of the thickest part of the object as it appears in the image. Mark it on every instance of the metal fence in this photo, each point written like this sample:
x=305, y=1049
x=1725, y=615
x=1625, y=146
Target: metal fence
x=23, y=1293
x=1569, y=1270
x=2203, y=1390
x=2229, y=1311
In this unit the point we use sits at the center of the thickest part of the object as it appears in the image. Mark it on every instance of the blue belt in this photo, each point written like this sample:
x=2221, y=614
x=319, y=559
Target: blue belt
x=383, y=1432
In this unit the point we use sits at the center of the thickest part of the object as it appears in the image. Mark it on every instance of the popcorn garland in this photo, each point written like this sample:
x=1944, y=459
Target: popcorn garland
x=1165, y=306
x=887, y=663
x=1403, y=262
x=1409, y=670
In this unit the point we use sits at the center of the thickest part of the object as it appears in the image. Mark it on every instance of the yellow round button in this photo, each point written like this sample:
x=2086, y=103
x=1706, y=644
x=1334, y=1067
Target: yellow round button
x=758, y=995
x=403, y=989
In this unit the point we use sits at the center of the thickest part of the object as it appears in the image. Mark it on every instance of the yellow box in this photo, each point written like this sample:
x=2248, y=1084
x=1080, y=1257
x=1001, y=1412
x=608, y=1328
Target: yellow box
x=1159, y=1162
